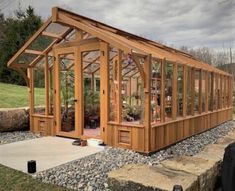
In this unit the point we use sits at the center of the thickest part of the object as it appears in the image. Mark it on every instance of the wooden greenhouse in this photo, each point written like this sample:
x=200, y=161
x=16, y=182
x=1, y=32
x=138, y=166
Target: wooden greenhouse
x=131, y=92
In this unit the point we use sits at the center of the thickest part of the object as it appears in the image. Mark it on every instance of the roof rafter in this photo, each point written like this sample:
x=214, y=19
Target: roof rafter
x=49, y=34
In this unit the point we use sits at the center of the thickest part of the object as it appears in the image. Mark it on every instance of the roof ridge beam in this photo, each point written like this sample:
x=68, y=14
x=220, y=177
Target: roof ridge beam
x=63, y=18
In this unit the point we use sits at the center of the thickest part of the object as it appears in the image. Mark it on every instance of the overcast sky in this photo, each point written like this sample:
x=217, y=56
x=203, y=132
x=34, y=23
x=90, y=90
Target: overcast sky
x=194, y=23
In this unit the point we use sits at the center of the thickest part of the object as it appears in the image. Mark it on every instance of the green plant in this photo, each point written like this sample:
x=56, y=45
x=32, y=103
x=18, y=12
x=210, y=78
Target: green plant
x=135, y=95
x=131, y=112
x=91, y=102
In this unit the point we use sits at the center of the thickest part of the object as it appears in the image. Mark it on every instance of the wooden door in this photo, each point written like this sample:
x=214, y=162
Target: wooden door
x=68, y=91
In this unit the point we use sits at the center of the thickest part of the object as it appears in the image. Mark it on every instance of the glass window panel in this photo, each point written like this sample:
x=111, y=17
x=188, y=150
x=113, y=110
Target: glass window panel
x=203, y=91
x=196, y=90
x=67, y=93
x=113, y=94
x=132, y=94
x=189, y=91
x=51, y=87
x=180, y=91
x=168, y=91
x=218, y=92
x=210, y=91
x=91, y=83
x=215, y=92
x=226, y=93
x=39, y=88
x=155, y=91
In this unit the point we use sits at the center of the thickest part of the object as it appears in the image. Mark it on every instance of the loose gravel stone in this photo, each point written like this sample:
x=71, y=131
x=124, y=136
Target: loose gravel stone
x=90, y=173
x=10, y=137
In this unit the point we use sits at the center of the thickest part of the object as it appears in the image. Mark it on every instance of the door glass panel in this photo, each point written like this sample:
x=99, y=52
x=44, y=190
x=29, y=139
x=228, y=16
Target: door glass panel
x=91, y=93
x=67, y=101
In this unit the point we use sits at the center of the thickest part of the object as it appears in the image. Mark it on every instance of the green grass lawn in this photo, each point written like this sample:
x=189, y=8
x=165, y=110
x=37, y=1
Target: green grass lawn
x=14, y=180
x=17, y=96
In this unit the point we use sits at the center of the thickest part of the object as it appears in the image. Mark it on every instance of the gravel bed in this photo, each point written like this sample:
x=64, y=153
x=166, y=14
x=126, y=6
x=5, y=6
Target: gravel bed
x=10, y=137
x=90, y=173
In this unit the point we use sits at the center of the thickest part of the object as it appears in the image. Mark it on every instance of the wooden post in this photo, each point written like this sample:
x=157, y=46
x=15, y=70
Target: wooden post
x=221, y=92
x=225, y=90
x=216, y=92
x=200, y=92
x=185, y=80
x=119, y=86
x=147, y=102
x=162, y=91
x=92, y=82
x=46, y=71
x=78, y=35
x=95, y=88
x=104, y=88
x=137, y=89
x=206, y=73
x=78, y=94
x=228, y=91
x=51, y=103
x=231, y=91
x=129, y=89
x=57, y=103
x=174, y=91
x=192, y=90
x=31, y=96
x=212, y=91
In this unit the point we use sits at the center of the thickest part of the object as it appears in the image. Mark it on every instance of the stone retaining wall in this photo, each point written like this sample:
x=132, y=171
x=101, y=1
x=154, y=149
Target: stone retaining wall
x=14, y=119
x=195, y=173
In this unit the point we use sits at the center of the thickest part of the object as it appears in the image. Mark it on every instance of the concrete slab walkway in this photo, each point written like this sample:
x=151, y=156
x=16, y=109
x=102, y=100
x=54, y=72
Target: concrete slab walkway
x=47, y=151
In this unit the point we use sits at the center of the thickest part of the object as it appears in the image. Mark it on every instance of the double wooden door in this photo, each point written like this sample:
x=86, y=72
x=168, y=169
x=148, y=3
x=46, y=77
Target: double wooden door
x=69, y=87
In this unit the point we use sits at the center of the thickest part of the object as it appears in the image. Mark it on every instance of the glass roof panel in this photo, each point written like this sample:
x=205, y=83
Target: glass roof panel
x=56, y=28
x=41, y=43
x=133, y=71
x=91, y=68
x=66, y=61
x=127, y=67
x=112, y=52
x=25, y=58
x=71, y=36
x=91, y=56
x=40, y=64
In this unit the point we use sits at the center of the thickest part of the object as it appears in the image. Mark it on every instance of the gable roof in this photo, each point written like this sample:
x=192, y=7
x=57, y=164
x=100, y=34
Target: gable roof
x=128, y=42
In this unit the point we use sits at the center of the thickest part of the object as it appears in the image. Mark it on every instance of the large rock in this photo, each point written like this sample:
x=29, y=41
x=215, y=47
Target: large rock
x=214, y=152
x=14, y=119
x=149, y=178
x=231, y=135
x=206, y=170
x=225, y=140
